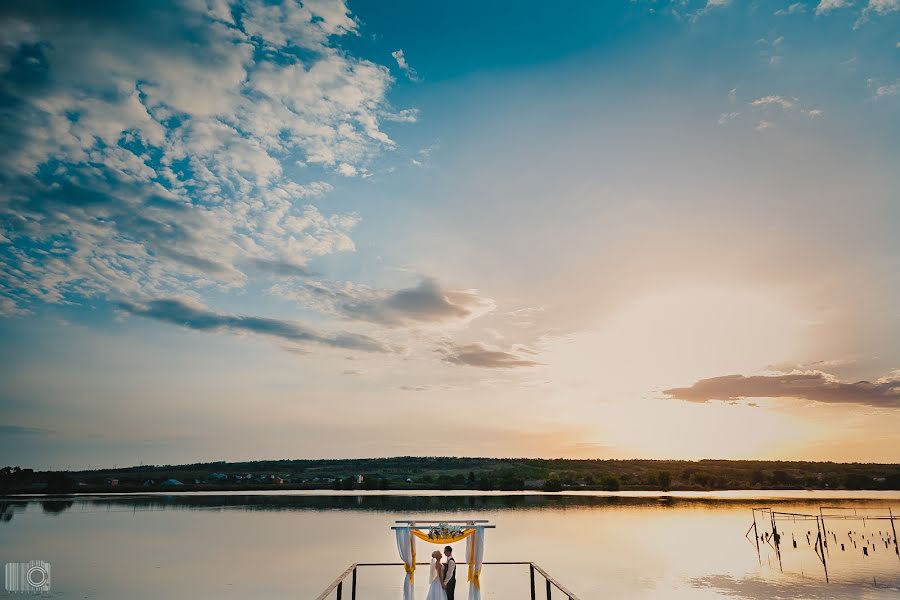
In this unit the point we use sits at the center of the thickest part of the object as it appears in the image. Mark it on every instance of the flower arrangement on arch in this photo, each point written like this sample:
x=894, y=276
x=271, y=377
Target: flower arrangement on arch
x=443, y=531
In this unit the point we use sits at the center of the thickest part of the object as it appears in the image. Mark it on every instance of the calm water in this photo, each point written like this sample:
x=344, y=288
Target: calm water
x=291, y=546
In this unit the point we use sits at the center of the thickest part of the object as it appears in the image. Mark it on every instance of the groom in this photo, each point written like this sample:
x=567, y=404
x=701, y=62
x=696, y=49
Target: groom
x=449, y=573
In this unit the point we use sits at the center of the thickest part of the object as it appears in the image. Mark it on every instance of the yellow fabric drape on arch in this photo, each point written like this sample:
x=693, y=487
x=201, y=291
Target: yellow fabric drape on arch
x=444, y=540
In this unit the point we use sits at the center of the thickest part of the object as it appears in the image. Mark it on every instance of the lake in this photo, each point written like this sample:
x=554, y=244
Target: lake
x=293, y=544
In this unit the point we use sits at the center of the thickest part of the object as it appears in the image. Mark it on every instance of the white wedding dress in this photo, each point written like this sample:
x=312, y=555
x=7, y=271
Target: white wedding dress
x=435, y=590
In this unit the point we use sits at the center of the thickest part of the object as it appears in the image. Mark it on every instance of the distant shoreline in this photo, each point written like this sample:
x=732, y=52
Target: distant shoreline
x=711, y=495
x=427, y=474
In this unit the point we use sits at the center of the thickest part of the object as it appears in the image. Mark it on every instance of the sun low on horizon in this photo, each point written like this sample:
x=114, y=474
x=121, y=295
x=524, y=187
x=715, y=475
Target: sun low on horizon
x=324, y=229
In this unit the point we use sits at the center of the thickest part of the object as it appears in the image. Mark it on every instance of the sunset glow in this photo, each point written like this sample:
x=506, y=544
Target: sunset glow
x=648, y=229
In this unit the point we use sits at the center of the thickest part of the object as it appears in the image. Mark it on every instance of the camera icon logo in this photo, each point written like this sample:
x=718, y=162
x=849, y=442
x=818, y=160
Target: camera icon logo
x=32, y=577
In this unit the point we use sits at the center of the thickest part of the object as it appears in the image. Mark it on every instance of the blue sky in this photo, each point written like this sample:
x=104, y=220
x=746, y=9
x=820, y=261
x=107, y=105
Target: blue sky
x=252, y=230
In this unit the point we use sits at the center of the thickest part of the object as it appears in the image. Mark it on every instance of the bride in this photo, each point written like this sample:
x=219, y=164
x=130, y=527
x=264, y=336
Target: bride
x=436, y=590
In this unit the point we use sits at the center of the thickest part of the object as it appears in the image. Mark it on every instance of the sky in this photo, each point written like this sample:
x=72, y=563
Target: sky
x=636, y=229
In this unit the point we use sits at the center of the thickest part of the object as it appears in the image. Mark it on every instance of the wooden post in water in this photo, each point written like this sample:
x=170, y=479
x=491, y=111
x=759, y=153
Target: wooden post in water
x=340, y=590
x=777, y=541
x=821, y=549
x=756, y=536
x=549, y=591
x=533, y=594
x=353, y=587
x=896, y=547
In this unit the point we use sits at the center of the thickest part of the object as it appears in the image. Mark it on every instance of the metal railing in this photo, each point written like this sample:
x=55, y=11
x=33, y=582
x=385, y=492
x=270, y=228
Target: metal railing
x=337, y=586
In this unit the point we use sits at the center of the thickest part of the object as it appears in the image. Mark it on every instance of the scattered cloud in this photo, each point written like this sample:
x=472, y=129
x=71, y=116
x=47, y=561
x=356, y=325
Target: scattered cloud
x=282, y=268
x=478, y=355
x=785, y=104
x=189, y=313
x=423, y=304
x=423, y=156
x=826, y=6
x=407, y=115
x=794, y=9
x=884, y=90
x=883, y=7
x=816, y=386
x=404, y=65
x=347, y=170
x=876, y=8
x=780, y=101
x=146, y=152
x=726, y=118
x=707, y=8
x=9, y=308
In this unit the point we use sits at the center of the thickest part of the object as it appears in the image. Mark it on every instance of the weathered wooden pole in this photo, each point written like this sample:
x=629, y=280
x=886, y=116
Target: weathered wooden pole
x=353, y=588
x=896, y=547
x=340, y=590
x=533, y=594
x=756, y=536
x=777, y=541
x=549, y=590
x=821, y=549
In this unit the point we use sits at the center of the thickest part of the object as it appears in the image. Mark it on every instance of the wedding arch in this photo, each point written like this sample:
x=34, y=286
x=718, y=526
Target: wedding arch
x=443, y=533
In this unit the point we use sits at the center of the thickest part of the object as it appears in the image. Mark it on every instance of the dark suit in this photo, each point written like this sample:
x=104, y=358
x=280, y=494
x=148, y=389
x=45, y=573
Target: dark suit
x=451, y=583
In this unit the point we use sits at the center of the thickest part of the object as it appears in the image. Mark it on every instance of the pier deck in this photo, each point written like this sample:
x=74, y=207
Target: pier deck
x=336, y=590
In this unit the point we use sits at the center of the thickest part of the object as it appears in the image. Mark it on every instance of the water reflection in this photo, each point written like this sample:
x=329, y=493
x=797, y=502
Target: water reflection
x=405, y=503
x=289, y=545
x=55, y=507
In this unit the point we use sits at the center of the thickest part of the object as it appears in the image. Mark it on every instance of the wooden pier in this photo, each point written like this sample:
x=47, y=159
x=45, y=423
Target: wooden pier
x=336, y=590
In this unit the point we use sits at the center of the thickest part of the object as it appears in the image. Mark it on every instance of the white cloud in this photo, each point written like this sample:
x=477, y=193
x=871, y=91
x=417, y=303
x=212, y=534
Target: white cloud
x=784, y=104
x=728, y=117
x=891, y=89
x=423, y=156
x=781, y=101
x=883, y=7
x=170, y=133
x=407, y=115
x=707, y=8
x=876, y=8
x=826, y=6
x=347, y=170
x=793, y=9
x=404, y=65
